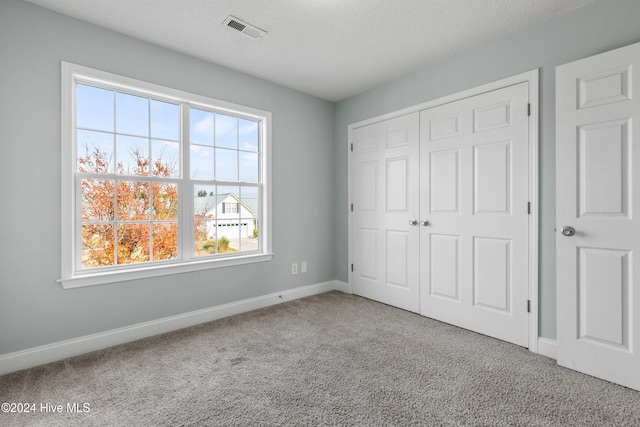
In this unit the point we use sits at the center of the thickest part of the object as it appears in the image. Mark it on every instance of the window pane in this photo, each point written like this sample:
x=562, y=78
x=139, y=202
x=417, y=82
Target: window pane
x=98, y=200
x=165, y=201
x=228, y=202
x=204, y=201
x=204, y=207
x=205, y=237
x=226, y=131
x=166, y=158
x=249, y=235
x=249, y=202
x=132, y=114
x=228, y=218
x=248, y=132
x=165, y=120
x=165, y=241
x=133, y=243
x=226, y=165
x=133, y=200
x=94, y=151
x=228, y=235
x=201, y=162
x=132, y=155
x=201, y=128
x=97, y=245
x=248, y=167
x=94, y=108
x=204, y=232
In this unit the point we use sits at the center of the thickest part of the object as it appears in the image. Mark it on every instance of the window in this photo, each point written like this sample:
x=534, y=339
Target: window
x=158, y=181
x=230, y=207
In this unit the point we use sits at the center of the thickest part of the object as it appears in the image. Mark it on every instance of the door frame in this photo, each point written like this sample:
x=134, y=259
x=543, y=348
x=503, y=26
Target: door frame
x=530, y=77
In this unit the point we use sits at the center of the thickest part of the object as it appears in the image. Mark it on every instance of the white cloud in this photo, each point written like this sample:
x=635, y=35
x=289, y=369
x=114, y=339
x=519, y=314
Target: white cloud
x=204, y=126
x=200, y=152
x=247, y=127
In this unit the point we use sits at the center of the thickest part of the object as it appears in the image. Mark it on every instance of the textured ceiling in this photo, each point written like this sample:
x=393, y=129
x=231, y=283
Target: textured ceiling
x=332, y=49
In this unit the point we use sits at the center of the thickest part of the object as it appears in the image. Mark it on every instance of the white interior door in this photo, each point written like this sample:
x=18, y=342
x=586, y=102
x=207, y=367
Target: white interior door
x=385, y=187
x=598, y=196
x=474, y=190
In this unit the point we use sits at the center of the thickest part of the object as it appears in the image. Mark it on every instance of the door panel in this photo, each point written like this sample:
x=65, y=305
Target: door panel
x=490, y=117
x=386, y=248
x=447, y=127
x=492, y=278
x=367, y=186
x=492, y=178
x=445, y=266
x=604, y=147
x=368, y=252
x=603, y=294
x=397, y=255
x=397, y=184
x=444, y=181
x=474, y=193
x=598, y=295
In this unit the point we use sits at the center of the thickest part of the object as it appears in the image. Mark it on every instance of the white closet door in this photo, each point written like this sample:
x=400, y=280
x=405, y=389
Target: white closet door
x=598, y=234
x=385, y=187
x=474, y=195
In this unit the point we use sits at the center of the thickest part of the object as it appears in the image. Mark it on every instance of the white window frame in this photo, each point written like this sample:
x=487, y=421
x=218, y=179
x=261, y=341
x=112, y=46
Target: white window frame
x=72, y=275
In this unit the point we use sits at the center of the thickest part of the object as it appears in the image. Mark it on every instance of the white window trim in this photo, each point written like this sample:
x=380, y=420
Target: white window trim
x=71, y=277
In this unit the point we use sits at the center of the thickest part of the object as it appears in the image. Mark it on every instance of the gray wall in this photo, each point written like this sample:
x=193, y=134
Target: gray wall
x=596, y=28
x=34, y=309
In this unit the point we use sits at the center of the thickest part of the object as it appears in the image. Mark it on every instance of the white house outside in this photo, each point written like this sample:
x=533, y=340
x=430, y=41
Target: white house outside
x=226, y=216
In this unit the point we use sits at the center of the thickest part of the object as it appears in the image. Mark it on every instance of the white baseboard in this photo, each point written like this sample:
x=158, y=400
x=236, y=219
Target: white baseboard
x=61, y=350
x=547, y=347
x=343, y=287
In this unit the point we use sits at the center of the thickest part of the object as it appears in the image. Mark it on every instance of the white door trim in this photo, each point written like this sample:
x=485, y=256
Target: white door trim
x=532, y=78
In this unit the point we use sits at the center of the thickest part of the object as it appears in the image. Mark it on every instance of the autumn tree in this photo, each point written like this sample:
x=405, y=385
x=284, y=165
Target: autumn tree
x=125, y=218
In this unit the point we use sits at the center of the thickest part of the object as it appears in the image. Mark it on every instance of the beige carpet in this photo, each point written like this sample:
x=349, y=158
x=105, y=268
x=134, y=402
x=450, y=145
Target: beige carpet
x=327, y=360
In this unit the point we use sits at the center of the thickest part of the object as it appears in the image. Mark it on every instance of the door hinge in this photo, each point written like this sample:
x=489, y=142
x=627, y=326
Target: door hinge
x=528, y=109
x=352, y=146
x=352, y=267
x=528, y=306
x=529, y=208
x=351, y=207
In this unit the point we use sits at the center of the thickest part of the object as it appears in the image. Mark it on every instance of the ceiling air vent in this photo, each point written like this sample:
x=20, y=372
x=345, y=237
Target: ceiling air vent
x=244, y=27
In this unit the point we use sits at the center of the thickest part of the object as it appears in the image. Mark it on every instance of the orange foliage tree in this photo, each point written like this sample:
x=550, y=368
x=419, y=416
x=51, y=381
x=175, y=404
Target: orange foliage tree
x=137, y=217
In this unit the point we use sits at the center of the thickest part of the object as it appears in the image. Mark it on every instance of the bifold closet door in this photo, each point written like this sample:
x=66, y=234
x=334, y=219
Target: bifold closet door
x=385, y=180
x=474, y=187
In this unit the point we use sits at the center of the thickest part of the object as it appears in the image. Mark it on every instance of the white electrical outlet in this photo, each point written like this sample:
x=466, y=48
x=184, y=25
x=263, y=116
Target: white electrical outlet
x=303, y=267
x=294, y=268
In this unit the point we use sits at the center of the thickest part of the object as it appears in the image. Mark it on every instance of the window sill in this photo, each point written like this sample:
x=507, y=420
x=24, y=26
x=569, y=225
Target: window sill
x=102, y=278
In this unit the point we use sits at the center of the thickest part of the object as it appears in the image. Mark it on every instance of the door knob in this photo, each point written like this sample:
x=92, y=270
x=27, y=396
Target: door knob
x=413, y=222
x=424, y=223
x=568, y=231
